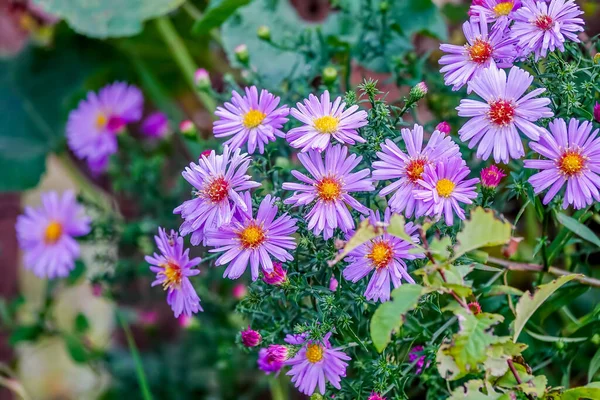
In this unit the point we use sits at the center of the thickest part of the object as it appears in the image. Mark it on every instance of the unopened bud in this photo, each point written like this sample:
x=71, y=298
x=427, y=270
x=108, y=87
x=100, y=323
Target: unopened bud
x=329, y=75
x=202, y=79
x=444, y=127
x=264, y=32
x=188, y=129
x=418, y=91
x=242, y=54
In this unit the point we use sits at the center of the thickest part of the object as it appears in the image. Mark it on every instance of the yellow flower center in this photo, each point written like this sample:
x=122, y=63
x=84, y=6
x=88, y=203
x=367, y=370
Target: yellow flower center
x=329, y=189
x=415, y=169
x=173, y=275
x=480, y=52
x=101, y=121
x=252, y=236
x=217, y=190
x=326, y=124
x=571, y=163
x=253, y=118
x=381, y=254
x=445, y=187
x=53, y=232
x=503, y=8
x=314, y=353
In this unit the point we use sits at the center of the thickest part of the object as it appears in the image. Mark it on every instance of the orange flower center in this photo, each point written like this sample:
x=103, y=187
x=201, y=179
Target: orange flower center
x=173, y=275
x=217, y=190
x=252, y=236
x=504, y=8
x=481, y=51
x=326, y=124
x=101, y=121
x=571, y=163
x=53, y=232
x=381, y=254
x=444, y=187
x=415, y=169
x=501, y=112
x=329, y=189
x=253, y=118
x=544, y=22
x=314, y=353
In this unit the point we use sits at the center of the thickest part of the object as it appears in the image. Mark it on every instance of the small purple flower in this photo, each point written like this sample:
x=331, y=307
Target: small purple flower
x=251, y=120
x=156, y=125
x=266, y=364
x=541, y=27
x=444, y=187
x=278, y=353
x=416, y=356
x=406, y=168
x=463, y=63
x=495, y=124
x=333, y=284
x=444, y=127
x=296, y=339
x=250, y=337
x=573, y=157
x=47, y=234
x=324, y=121
x=386, y=256
x=597, y=112
x=276, y=278
x=218, y=180
x=491, y=176
x=376, y=396
x=330, y=186
x=173, y=268
x=317, y=363
x=254, y=240
x=92, y=127
x=494, y=10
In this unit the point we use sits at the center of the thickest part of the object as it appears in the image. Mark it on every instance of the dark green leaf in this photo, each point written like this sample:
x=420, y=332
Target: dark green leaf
x=215, y=16
x=81, y=323
x=578, y=228
x=24, y=333
x=79, y=353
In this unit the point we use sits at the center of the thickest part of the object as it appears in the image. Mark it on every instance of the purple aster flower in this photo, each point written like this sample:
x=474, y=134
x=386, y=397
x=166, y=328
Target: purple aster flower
x=406, y=169
x=386, y=256
x=218, y=179
x=173, y=268
x=541, y=27
x=597, y=112
x=317, y=363
x=323, y=121
x=250, y=337
x=330, y=186
x=416, y=356
x=463, y=63
x=495, y=123
x=156, y=125
x=92, y=127
x=251, y=119
x=267, y=364
x=444, y=187
x=46, y=234
x=573, y=157
x=296, y=339
x=255, y=240
x=494, y=10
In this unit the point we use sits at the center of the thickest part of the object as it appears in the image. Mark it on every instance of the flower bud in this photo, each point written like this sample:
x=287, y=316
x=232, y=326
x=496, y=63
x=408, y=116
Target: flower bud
x=156, y=125
x=444, y=127
x=202, y=79
x=418, y=92
x=329, y=75
x=239, y=291
x=376, y=396
x=242, y=54
x=474, y=307
x=597, y=58
x=384, y=6
x=597, y=112
x=250, y=338
x=596, y=339
x=264, y=32
x=491, y=176
x=206, y=153
x=317, y=396
x=276, y=278
x=188, y=129
x=333, y=284
x=277, y=353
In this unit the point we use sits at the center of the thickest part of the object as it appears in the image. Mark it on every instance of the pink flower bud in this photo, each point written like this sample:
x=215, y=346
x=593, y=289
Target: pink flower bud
x=333, y=284
x=187, y=127
x=251, y=338
x=444, y=127
x=491, y=176
x=276, y=278
x=201, y=78
x=206, y=153
x=277, y=353
x=416, y=356
x=239, y=291
x=597, y=112
x=376, y=396
x=474, y=307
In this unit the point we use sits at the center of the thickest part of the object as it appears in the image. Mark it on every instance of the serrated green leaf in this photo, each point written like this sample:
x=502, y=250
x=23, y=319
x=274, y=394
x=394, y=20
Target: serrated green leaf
x=446, y=365
x=473, y=390
x=499, y=353
x=535, y=386
x=578, y=228
x=483, y=229
x=591, y=391
x=217, y=15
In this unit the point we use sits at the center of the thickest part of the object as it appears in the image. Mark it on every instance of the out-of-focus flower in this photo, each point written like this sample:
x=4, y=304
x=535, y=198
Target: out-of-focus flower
x=47, y=234
x=239, y=291
x=494, y=10
x=491, y=176
x=444, y=127
x=266, y=364
x=416, y=355
x=276, y=278
x=597, y=112
x=147, y=317
x=202, y=78
x=187, y=128
x=296, y=339
x=250, y=337
x=329, y=75
x=264, y=32
x=376, y=396
x=242, y=54
x=333, y=284
x=156, y=125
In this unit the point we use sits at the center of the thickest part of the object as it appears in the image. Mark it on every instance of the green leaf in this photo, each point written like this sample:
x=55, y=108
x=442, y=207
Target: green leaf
x=483, y=229
x=528, y=304
x=79, y=353
x=446, y=365
x=578, y=228
x=389, y=315
x=396, y=227
x=363, y=234
x=499, y=353
x=215, y=16
x=474, y=390
x=420, y=16
x=535, y=386
x=24, y=333
x=108, y=18
x=591, y=391
x=81, y=323
x=553, y=339
x=594, y=365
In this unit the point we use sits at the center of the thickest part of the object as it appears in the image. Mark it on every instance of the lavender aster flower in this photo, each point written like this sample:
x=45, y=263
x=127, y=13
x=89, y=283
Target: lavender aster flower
x=255, y=240
x=251, y=120
x=93, y=125
x=541, y=27
x=296, y=339
x=463, y=63
x=494, y=10
x=218, y=179
x=317, y=363
x=385, y=256
x=173, y=268
x=408, y=167
x=46, y=234
x=325, y=121
x=444, y=187
x=495, y=123
x=573, y=157
x=330, y=186
x=267, y=364
x=156, y=125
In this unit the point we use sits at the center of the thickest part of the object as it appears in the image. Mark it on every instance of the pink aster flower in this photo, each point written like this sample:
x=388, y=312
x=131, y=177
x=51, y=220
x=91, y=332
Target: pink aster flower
x=416, y=356
x=494, y=10
x=541, y=27
x=330, y=186
x=266, y=364
x=250, y=337
x=47, y=234
x=495, y=123
x=385, y=256
x=324, y=121
x=573, y=157
x=251, y=120
x=278, y=353
x=405, y=169
x=277, y=277
x=463, y=63
x=173, y=268
x=156, y=125
x=317, y=363
x=92, y=127
x=218, y=180
x=254, y=240
x=444, y=187
x=376, y=396
x=491, y=176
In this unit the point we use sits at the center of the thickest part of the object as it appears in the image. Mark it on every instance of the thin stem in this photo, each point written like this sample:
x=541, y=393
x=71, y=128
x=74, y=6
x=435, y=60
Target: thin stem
x=511, y=365
x=139, y=368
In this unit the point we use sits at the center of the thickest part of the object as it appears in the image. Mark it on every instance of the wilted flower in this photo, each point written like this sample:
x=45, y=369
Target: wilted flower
x=444, y=127
x=250, y=337
x=491, y=176
x=474, y=307
x=277, y=277
x=156, y=125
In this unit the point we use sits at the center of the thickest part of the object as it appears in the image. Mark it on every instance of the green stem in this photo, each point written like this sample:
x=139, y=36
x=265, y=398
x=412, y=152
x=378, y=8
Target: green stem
x=139, y=368
x=277, y=386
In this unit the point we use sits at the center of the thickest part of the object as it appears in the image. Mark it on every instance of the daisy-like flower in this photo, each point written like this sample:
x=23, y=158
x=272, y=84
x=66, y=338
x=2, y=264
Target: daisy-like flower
x=494, y=10
x=46, y=234
x=573, y=157
x=541, y=27
x=386, y=256
x=491, y=176
x=254, y=240
x=92, y=127
x=251, y=120
x=406, y=168
x=495, y=123
x=463, y=63
x=218, y=180
x=173, y=268
x=330, y=186
x=317, y=363
x=325, y=121
x=444, y=187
